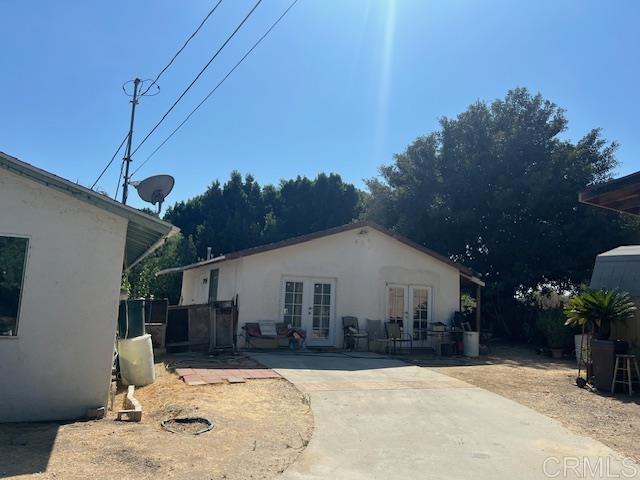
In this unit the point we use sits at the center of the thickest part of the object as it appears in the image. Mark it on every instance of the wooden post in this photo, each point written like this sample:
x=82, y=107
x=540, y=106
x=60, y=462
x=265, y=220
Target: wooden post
x=478, y=300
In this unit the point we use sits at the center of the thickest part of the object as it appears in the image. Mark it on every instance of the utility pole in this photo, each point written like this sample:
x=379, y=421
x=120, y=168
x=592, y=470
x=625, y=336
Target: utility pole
x=127, y=157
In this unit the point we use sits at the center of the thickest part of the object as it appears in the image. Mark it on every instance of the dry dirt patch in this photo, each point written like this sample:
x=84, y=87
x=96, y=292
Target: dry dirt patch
x=548, y=386
x=260, y=427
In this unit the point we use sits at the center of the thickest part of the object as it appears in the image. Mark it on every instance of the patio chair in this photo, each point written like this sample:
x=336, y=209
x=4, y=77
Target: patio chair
x=396, y=337
x=352, y=333
x=376, y=336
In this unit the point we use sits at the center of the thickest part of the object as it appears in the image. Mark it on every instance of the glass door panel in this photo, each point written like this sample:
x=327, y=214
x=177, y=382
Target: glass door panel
x=309, y=303
x=321, y=310
x=396, y=301
x=293, y=303
x=420, y=313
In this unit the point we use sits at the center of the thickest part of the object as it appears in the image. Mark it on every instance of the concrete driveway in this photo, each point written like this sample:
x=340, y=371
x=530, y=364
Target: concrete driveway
x=377, y=418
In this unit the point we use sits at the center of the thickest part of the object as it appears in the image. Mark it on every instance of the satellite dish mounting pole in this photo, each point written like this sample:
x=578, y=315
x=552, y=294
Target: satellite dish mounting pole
x=127, y=157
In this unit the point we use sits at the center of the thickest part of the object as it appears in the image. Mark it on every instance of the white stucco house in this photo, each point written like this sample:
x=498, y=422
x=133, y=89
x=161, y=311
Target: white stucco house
x=63, y=248
x=359, y=269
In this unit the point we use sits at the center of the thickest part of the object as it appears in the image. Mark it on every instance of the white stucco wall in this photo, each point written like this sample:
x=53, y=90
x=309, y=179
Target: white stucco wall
x=361, y=264
x=195, y=283
x=60, y=362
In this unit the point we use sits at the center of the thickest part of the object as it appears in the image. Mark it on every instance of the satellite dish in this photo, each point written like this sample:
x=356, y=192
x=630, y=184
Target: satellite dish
x=155, y=189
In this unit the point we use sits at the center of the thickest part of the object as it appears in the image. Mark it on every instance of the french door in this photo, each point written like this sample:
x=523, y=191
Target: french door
x=410, y=306
x=309, y=303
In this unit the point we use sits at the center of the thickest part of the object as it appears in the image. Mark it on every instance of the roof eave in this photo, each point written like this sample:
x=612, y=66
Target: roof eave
x=323, y=233
x=157, y=229
x=192, y=266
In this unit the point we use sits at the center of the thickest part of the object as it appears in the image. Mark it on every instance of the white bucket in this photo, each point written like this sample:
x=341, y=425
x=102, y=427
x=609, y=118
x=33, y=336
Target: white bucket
x=471, y=343
x=136, y=360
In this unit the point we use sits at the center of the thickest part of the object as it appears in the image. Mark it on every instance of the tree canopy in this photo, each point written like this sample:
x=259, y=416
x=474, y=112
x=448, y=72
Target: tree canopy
x=496, y=188
x=242, y=214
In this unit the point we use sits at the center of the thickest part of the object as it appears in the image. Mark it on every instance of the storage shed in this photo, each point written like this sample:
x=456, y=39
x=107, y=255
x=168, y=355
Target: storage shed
x=620, y=269
x=62, y=252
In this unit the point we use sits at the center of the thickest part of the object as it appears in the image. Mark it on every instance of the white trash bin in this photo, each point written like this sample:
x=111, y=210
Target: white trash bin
x=136, y=360
x=471, y=344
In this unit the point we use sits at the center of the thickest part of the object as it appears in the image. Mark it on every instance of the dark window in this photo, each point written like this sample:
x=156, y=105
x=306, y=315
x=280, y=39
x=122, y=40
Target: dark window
x=213, y=285
x=13, y=255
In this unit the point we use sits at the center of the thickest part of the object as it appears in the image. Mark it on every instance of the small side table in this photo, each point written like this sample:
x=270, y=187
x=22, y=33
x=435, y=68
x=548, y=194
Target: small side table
x=623, y=365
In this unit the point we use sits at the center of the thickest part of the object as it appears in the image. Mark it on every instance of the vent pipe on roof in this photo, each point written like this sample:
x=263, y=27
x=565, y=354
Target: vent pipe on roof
x=208, y=253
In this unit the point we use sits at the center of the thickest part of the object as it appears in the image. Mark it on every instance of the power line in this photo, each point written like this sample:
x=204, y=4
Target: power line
x=267, y=32
x=198, y=76
x=115, y=197
x=155, y=80
x=110, y=161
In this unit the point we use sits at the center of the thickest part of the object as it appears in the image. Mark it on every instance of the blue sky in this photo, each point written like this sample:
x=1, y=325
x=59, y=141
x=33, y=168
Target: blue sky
x=340, y=85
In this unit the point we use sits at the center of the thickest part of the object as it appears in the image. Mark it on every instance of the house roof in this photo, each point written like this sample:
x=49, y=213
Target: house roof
x=145, y=232
x=465, y=271
x=621, y=194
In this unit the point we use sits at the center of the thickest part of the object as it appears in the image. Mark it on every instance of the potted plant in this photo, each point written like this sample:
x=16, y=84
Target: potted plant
x=551, y=323
x=596, y=310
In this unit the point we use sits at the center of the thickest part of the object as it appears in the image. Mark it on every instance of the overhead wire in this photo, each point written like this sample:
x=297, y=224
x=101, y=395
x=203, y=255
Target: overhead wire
x=115, y=197
x=267, y=32
x=110, y=161
x=215, y=55
x=184, y=45
x=154, y=82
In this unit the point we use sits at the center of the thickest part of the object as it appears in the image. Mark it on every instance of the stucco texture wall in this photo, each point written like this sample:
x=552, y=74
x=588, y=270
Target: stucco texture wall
x=362, y=264
x=59, y=364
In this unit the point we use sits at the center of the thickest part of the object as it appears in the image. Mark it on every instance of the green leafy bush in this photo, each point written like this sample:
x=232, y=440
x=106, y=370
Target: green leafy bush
x=552, y=325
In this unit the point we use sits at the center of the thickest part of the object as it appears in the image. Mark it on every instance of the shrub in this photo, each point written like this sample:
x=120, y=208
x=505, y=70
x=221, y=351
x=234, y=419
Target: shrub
x=551, y=323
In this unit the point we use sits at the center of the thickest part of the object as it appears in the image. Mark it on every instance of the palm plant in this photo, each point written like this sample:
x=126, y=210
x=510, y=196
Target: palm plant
x=596, y=310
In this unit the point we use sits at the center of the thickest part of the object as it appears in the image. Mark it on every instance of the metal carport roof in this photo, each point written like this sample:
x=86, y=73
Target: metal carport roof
x=618, y=268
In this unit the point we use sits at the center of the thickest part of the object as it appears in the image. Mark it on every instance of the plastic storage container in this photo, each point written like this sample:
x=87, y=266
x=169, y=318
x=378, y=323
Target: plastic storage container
x=471, y=342
x=131, y=318
x=136, y=361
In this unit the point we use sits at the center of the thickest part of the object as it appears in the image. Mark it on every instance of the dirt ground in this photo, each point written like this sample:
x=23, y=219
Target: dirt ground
x=261, y=426
x=548, y=386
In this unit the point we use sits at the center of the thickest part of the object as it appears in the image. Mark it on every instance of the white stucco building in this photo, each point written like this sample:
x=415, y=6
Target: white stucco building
x=360, y=269
x=62, y=251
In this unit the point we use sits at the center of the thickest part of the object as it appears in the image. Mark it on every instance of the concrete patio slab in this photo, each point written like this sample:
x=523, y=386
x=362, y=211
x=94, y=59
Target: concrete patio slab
x=377, y=418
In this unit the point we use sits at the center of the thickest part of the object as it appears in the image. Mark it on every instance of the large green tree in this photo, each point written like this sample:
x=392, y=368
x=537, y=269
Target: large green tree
x=241, y=214
x=496, y=188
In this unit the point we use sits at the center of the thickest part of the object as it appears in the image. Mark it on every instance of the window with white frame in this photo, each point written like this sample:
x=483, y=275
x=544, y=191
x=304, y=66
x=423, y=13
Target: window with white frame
x=13, y=257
